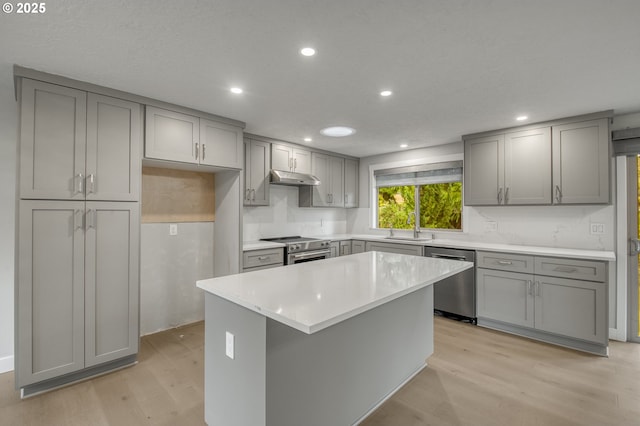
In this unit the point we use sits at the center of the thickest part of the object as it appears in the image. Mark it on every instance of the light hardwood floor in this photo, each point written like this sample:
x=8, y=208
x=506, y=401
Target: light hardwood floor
x=475, y=377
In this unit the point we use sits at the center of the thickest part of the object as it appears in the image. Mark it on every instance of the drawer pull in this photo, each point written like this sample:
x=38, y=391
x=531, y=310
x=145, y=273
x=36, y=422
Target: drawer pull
x=263, y=257
x=565, y=269
x=505, y=262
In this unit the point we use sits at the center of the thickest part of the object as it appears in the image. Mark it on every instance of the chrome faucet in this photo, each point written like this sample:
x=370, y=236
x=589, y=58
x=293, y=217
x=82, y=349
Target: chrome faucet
x=390, y=229
x=416, y=224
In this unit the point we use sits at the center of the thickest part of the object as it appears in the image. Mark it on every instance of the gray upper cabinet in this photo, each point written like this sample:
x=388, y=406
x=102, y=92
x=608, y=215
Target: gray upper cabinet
x=171, y=136
x=511, y=168
x=527, y=167
x=174, y=136
x=75, y=145
x=220, y=144
x=113, y=169
x=52, y=141
x=350, y=183
x=290, y=158
x=330, y=192
x=256, y=172
x=581, y=162
x=483, y=170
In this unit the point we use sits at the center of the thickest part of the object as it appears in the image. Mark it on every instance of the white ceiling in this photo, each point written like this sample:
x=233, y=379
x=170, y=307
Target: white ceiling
x=455, y=66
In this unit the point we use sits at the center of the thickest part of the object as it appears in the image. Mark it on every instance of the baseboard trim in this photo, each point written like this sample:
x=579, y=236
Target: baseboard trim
x=7, y=364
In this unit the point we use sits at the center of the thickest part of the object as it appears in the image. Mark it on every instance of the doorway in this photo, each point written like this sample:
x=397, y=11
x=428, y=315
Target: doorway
x=633, y=234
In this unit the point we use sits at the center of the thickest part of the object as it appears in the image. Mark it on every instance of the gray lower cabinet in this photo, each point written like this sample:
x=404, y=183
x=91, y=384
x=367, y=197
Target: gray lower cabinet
x=394, y=248
x=253, y=260
x=78, y=286
x=345, y=248
x=76, y=145
x=357, y=246
x=257, y=157
x=558, y=300
x=335, y=248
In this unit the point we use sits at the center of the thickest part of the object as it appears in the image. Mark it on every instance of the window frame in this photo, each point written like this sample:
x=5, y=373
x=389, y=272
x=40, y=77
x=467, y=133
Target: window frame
x=373, y=190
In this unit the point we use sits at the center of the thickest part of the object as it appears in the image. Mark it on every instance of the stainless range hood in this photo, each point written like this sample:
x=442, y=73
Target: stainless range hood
x=281, y=177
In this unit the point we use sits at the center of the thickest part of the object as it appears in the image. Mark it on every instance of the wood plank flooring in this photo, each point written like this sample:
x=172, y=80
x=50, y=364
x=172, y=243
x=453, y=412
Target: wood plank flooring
x=475, y=377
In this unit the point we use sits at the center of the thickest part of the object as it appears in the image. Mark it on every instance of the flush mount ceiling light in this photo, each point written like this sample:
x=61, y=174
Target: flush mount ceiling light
x=521, y=117
x=338, y=131
x=404, y=145
x=236, y=90
x=308, y=139
x=307, y=51
x=386, y=93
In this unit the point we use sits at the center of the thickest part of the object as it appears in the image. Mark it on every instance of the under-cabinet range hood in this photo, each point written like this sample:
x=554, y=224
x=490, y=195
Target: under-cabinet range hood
x=281, y=177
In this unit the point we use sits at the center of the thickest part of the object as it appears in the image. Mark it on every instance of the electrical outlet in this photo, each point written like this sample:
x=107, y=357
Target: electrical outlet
x=491, y=226
x=173, y=229
x=597, y=228
x=229, y=346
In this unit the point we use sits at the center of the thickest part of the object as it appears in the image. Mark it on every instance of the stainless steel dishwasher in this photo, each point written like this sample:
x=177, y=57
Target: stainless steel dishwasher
x=455, y=296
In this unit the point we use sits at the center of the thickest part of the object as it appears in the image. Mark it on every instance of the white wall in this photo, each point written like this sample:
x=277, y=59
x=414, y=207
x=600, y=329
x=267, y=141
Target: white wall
x=8, y=147
x=169, y=268
x=283, y=217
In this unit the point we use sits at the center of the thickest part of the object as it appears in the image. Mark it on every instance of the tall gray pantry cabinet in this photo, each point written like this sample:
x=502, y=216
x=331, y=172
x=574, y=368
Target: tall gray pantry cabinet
x=77, y=248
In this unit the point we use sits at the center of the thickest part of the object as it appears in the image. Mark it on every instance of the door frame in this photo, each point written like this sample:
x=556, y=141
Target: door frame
x=632, y=261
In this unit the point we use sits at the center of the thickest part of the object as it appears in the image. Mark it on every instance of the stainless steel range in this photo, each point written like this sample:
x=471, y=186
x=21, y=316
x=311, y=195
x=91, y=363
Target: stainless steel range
x=300, y=249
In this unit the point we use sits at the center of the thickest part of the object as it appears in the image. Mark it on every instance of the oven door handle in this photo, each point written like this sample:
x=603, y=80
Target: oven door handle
x=311, y=254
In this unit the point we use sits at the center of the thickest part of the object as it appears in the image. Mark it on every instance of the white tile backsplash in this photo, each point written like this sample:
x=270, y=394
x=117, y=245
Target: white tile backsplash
x=283, y=217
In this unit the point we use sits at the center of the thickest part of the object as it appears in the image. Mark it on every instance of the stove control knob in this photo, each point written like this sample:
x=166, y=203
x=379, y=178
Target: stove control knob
x=296, y=246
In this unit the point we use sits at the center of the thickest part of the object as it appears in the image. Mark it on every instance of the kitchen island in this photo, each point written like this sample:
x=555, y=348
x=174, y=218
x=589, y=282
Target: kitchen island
x=317, y=343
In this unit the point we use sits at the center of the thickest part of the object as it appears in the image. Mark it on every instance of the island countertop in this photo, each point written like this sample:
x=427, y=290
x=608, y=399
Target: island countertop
x=312, y=296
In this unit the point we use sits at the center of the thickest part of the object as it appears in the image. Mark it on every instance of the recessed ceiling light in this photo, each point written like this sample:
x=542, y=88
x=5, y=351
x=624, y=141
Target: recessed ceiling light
x=308, y=139
x=386, y=93
x=338, y=131
x=521, y=117
x=236, y=90
x=308, y=51
x=404, y=145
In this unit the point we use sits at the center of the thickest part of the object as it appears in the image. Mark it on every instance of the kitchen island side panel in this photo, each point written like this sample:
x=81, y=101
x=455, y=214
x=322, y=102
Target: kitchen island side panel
x=234, y=388
x=337, y=375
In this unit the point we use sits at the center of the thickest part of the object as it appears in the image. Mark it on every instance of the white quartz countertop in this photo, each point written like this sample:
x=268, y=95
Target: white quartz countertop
x=312, y=296
x=604, y=255
x=259, y=245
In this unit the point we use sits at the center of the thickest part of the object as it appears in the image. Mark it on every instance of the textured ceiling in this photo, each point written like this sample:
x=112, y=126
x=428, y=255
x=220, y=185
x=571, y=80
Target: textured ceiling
x=454, y=66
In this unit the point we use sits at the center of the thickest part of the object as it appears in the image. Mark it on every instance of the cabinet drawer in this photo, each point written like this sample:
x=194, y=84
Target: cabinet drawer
x=505, y=262
x=571, y=268
x=264, y=257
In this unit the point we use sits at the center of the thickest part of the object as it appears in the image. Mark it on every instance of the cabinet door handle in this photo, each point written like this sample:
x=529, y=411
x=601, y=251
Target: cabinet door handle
x=290, y=163
x=204, y=151
x=538, y=291
x=91, y=185
x=197, y=150
x=246, y=194
x=529, y=289
x=91, y=219
x=500, y=196
x=505, y=262
x=558, y=193
x=295, y=164
x=506, y=195
x=77, y=220
x=253, y=195
x=80, y=183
